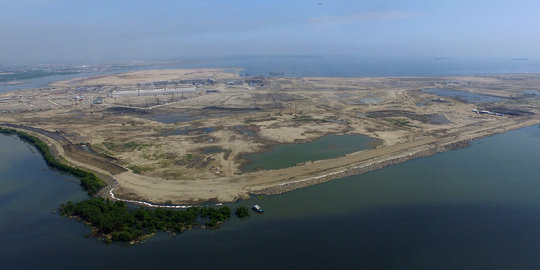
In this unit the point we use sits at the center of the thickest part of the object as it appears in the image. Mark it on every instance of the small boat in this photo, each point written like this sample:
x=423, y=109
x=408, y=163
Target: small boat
x=257, y=209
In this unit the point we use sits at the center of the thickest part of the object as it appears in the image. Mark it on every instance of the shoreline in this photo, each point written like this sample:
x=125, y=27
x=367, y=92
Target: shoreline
x=280, y=188
x=297, y=184
x=292, y=183
x=242, y=186
x=322, y=176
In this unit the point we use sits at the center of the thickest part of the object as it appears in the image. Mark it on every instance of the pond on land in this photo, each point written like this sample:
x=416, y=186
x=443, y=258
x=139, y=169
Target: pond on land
x=188, y=131
x=460, y=95
x=212, y=150
x=287, y=155
x=170, y=118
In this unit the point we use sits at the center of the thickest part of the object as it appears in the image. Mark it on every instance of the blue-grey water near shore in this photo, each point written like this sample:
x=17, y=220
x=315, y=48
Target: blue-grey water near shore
x=472, y=208
x=477, y=207
x=325, y=66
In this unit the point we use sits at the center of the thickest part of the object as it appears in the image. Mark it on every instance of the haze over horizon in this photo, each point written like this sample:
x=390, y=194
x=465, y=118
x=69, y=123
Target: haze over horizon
x=60, y=30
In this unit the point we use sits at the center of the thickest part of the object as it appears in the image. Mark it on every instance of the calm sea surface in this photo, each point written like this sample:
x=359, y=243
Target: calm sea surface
x=474, y=208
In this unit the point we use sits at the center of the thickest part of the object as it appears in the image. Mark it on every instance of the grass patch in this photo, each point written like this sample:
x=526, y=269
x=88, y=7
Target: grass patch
x=400, y=122
x=124, y=147
x=173, y=174
x=103, y=151
x=139, y=169
x=255, y=120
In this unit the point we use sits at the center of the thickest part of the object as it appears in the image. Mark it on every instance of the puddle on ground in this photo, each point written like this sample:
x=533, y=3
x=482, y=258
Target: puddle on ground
x=188, y=131
x=462, y=96
x=212, y=150
x=243, y=130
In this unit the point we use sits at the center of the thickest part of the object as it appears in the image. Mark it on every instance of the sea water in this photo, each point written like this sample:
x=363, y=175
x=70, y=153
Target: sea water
x=477, y=207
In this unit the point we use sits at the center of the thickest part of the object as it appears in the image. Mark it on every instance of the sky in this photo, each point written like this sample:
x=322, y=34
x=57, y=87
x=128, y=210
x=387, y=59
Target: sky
x=69, y=30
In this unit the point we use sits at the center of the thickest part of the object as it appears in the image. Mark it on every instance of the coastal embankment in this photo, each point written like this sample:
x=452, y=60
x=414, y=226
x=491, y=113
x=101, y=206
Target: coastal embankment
x=456, y=141
x=375, y=165
x=228, y=189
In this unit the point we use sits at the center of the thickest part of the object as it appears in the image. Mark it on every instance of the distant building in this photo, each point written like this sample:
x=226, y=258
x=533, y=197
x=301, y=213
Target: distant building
x=254, y=82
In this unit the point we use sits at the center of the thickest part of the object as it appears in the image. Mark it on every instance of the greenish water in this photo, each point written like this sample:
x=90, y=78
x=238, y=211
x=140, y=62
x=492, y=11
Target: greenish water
x=212, y=150
x=287, y=155
x=474, y=208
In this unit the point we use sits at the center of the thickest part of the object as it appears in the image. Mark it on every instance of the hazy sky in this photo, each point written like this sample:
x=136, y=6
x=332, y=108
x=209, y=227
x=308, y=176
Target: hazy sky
x=33, y=30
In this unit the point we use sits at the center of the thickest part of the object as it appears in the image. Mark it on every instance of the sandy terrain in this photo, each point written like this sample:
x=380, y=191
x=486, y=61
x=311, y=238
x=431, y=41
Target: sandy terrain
x=140, y=76
x=187, y=147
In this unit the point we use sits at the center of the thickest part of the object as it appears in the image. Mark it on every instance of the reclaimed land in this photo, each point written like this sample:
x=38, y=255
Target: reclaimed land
x=147, y=133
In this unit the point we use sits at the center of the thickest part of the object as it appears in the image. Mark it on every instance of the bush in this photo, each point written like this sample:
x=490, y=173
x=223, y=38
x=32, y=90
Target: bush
x=242, y=212
x=127, y=224
x=121, y=236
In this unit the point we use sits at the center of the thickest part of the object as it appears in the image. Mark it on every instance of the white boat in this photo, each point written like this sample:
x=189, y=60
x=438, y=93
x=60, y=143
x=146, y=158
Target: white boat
x=257, y=209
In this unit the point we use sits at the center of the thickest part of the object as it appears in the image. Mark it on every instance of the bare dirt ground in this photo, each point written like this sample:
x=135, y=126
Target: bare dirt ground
x=186, y=146
x=134, y=77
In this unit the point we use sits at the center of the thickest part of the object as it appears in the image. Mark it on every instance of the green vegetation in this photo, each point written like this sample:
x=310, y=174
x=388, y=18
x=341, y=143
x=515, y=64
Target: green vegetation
x=89, y=180
x=124, y=147
x=131, y=145
x=103, y=151
x=307, y=118
x=7, y=131
x=399, y=122
x=242, y=212
x=117, y=222
x=139, y=169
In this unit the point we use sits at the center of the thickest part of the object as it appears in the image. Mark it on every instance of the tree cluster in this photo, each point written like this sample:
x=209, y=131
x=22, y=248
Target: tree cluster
x=118, y=222
x=242, y=212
